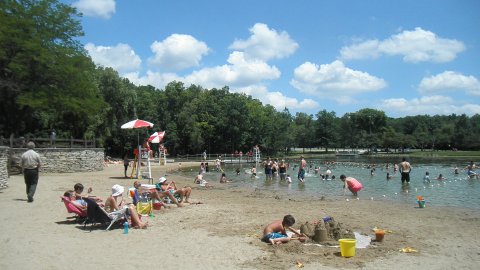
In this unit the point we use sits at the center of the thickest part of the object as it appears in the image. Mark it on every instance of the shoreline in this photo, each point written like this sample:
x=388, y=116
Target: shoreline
x=223, y=232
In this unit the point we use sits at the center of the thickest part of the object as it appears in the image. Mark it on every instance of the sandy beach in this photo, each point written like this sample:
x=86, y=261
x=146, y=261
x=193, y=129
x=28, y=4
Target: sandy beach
x=223, y=232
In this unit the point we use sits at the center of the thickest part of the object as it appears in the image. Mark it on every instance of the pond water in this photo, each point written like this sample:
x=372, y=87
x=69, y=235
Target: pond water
x=456, y=190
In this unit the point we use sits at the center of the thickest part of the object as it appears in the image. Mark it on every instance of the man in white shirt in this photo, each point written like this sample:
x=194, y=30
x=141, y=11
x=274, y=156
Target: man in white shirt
x=31, y=166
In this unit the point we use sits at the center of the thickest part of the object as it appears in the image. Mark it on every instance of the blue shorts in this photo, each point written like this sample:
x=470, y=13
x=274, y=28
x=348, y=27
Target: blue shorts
x=266, y=238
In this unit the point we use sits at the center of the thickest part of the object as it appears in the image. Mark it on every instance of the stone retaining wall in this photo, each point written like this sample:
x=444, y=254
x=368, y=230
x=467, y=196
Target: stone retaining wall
x=56, y=160
x=4, y=151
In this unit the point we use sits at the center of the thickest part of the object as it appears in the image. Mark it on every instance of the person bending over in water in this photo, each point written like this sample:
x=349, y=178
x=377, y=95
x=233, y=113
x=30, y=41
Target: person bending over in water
x=352, y=184
x=276, y=232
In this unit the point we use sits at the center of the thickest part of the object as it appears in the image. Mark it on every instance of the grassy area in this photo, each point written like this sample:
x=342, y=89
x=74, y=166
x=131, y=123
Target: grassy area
x=473, y=154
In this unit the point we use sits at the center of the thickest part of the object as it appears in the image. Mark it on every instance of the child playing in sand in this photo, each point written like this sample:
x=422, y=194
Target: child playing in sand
x=275, y=232
x=352, y=184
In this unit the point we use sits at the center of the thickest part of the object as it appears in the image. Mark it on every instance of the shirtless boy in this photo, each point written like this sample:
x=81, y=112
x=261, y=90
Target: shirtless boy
x=405, y=169
x=275, y=232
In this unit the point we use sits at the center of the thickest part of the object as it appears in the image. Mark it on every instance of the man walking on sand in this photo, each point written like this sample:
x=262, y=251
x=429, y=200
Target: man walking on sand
x=405, y=169
x=31, y=166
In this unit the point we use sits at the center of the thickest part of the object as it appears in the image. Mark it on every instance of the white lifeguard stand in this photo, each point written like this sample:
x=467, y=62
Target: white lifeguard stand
x=162, y=158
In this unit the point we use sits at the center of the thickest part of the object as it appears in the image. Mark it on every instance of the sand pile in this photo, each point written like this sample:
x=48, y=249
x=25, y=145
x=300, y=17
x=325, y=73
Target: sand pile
x=326, y=230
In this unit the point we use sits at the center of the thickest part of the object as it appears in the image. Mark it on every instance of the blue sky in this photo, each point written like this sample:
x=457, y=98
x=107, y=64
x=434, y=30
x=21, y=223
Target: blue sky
x=404, y=57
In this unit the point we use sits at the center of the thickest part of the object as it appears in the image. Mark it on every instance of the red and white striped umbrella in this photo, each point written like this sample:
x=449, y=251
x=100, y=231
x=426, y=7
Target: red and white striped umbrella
x=156, y=137
x=137, y=124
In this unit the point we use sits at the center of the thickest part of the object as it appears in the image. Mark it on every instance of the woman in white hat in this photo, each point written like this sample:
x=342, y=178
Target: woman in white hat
x=116, y=202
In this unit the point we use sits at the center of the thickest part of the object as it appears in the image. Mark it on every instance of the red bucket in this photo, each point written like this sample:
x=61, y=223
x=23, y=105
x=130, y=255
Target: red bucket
x=157, y=205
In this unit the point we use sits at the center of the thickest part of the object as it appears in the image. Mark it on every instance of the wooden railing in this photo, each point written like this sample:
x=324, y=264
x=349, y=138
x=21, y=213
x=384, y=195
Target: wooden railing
x=21, y=142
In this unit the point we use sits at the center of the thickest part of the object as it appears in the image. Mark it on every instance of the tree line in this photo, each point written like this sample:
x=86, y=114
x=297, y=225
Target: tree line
x=48, y=81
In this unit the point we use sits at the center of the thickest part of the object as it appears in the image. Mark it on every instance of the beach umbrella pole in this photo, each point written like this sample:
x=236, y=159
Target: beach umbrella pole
x=139, y=159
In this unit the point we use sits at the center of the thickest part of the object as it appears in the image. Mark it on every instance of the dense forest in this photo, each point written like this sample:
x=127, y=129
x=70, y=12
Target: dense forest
x=48, y=81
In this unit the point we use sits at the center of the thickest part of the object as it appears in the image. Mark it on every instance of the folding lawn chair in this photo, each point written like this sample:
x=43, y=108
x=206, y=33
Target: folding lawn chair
x=96, y=214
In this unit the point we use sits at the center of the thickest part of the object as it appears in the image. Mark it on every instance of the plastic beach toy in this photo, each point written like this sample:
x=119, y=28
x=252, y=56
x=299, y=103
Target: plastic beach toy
x=421, y=202
x=347, y=247
x=408, y=250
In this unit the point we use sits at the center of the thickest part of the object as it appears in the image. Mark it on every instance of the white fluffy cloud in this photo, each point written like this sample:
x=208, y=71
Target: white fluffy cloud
x=415, y=46
x=239, y=72
x=158, y=80
x=334, y=81
x=265, y=43
x=96, y=8
x=177, y=52
x=245, y=70
x=120, y=57
x=278, y=100
x=431, y=105
x=450, y=81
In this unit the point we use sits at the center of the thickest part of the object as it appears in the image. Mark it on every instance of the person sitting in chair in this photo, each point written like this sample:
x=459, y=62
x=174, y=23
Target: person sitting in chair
x=116, y=202
x=156, y=194
x=171, y=187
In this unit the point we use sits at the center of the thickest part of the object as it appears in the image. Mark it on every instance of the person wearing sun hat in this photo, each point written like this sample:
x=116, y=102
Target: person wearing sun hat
x=171, y=187
x=116, y=202
x=154, y=193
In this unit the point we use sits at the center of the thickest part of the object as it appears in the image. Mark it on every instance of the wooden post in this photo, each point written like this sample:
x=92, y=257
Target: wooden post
x=11, y=140
x=71, y=142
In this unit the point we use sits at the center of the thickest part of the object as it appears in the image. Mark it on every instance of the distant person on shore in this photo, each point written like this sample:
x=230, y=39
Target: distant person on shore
x=31, y=165
x=405, y=169
x=352, y=184
x=276, y=232
x=301, y=169
x=53, y=138
x=126, y=163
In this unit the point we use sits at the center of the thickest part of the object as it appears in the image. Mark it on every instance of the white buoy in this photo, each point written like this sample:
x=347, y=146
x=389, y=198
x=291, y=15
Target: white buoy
x=371, y=198
x=348, y=200
x=384, y=195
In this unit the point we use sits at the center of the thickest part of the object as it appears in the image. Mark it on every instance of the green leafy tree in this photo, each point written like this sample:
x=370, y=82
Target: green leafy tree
x=326, y=129
x=47, y=80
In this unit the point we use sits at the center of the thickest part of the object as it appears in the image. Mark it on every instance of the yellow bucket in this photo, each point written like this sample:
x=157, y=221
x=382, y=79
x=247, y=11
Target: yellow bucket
x=347, y=247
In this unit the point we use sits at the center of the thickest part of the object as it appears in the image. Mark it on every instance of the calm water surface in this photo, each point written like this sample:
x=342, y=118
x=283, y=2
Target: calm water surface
x=455, y=190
